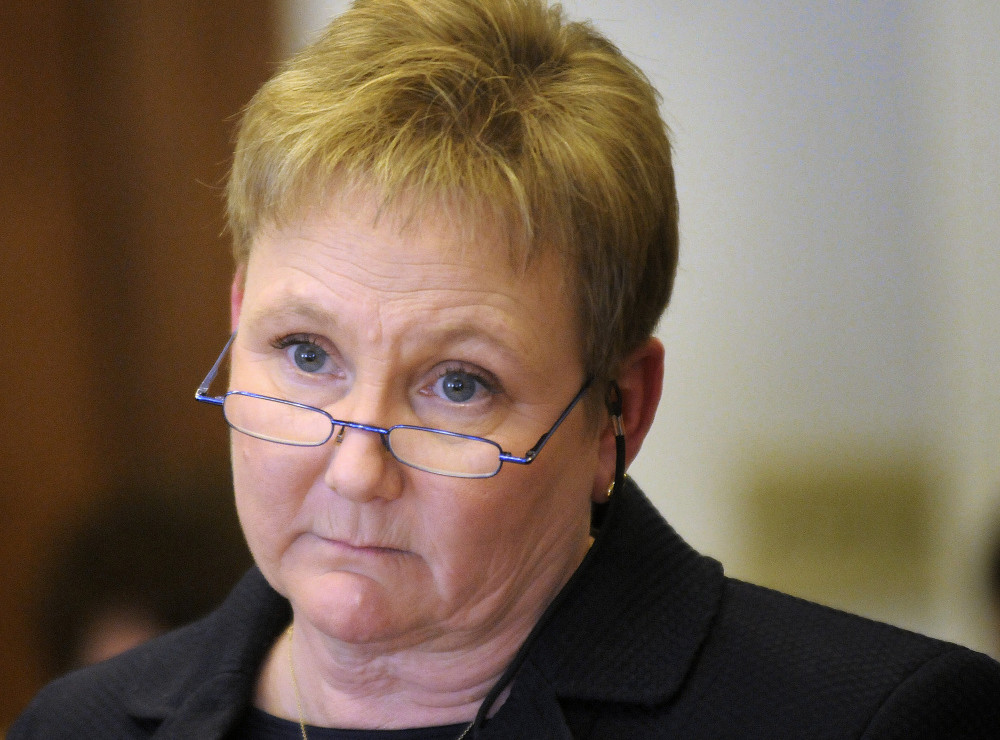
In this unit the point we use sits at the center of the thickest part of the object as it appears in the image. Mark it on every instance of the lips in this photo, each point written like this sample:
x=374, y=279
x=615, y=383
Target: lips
x=362, y=547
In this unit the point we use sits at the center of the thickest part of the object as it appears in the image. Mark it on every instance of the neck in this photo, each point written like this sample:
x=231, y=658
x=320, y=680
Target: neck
x=347, y=686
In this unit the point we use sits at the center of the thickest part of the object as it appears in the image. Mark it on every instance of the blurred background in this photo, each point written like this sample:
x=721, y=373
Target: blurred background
x=831, y=416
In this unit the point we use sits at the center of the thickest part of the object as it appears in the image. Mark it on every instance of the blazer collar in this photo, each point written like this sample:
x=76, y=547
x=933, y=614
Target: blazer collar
x=637, y=612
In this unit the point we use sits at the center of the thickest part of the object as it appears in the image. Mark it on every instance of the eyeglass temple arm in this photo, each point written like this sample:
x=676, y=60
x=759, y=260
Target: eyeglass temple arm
x=201, y=393
x=533, y=452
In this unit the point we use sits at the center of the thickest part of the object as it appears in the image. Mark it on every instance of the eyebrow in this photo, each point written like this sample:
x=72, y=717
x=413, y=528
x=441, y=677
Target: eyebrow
x=295, y=308
x=291, y=309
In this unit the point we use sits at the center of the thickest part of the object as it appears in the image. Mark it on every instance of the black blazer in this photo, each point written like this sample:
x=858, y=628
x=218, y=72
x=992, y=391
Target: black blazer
x=648, y=640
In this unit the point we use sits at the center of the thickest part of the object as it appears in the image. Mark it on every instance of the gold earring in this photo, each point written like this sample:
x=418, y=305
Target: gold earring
x=611, y=489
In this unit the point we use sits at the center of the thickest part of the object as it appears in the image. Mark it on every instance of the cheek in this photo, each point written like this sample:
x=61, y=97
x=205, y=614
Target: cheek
x=270, y=482
x=529, y=512
x=555, y=503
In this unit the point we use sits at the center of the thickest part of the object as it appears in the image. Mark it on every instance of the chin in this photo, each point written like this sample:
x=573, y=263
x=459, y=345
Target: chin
x=351, y=608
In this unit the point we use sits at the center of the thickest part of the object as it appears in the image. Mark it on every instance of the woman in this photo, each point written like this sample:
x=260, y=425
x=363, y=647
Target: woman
x=455, y=229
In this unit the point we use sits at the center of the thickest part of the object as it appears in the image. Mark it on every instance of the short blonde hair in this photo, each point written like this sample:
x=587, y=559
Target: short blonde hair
x=495, y=104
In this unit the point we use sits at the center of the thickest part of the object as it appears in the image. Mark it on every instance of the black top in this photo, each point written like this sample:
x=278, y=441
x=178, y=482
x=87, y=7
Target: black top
x=648, y=640
x=259, y=725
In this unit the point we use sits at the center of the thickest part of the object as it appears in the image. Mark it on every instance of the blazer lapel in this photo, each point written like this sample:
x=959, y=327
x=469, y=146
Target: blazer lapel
x=187, y=693
x=639, y=609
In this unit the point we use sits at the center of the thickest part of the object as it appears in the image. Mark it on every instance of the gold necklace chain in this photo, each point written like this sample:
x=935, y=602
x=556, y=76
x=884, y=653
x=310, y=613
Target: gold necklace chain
x=295, y=683
x=298, y=697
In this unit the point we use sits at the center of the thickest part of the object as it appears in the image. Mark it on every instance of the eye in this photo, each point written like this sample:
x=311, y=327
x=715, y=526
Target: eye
x=460, y=386
x=308, y=357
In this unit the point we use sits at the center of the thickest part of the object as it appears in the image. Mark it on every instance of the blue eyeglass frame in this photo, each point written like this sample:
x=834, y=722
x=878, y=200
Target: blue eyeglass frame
x=201, y=394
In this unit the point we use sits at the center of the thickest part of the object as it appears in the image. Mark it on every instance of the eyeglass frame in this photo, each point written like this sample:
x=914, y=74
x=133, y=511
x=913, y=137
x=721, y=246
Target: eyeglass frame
x=201, y=394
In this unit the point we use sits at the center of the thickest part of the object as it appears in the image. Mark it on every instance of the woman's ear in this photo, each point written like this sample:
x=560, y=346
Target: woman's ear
x=641, y=382
x=236, y=297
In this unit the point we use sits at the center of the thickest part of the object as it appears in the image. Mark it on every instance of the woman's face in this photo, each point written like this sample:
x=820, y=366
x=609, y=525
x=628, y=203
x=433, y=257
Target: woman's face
x=386, y=325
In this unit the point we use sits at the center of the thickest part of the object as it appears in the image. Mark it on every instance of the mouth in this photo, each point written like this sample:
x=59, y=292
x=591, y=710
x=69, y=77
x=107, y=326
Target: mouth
x=362, y=548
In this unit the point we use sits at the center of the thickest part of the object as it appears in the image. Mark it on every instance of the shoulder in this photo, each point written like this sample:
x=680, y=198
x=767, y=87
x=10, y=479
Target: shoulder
x=656, y=641
x=95, y=701
x=825, y=668
x=210, y=662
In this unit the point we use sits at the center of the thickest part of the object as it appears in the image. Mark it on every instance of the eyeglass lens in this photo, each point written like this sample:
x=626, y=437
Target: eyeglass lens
x=279, y=421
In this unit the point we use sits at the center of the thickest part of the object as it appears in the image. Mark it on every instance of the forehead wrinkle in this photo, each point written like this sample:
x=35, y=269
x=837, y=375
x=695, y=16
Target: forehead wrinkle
x=349, y=242
x=462, y=322
x=483, y=311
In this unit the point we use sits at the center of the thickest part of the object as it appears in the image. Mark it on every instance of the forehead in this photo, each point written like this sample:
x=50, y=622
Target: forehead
x=458, y=221
x=351, y=263
x=358, y=234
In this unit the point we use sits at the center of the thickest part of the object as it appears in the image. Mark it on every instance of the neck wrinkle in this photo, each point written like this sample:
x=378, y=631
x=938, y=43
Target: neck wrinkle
x=409, y=688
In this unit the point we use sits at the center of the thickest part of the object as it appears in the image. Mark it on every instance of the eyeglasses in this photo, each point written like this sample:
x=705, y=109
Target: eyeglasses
x=431, y=450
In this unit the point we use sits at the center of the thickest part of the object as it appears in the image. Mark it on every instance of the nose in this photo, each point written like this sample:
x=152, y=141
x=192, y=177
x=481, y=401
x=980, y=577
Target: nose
x=361, y=468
